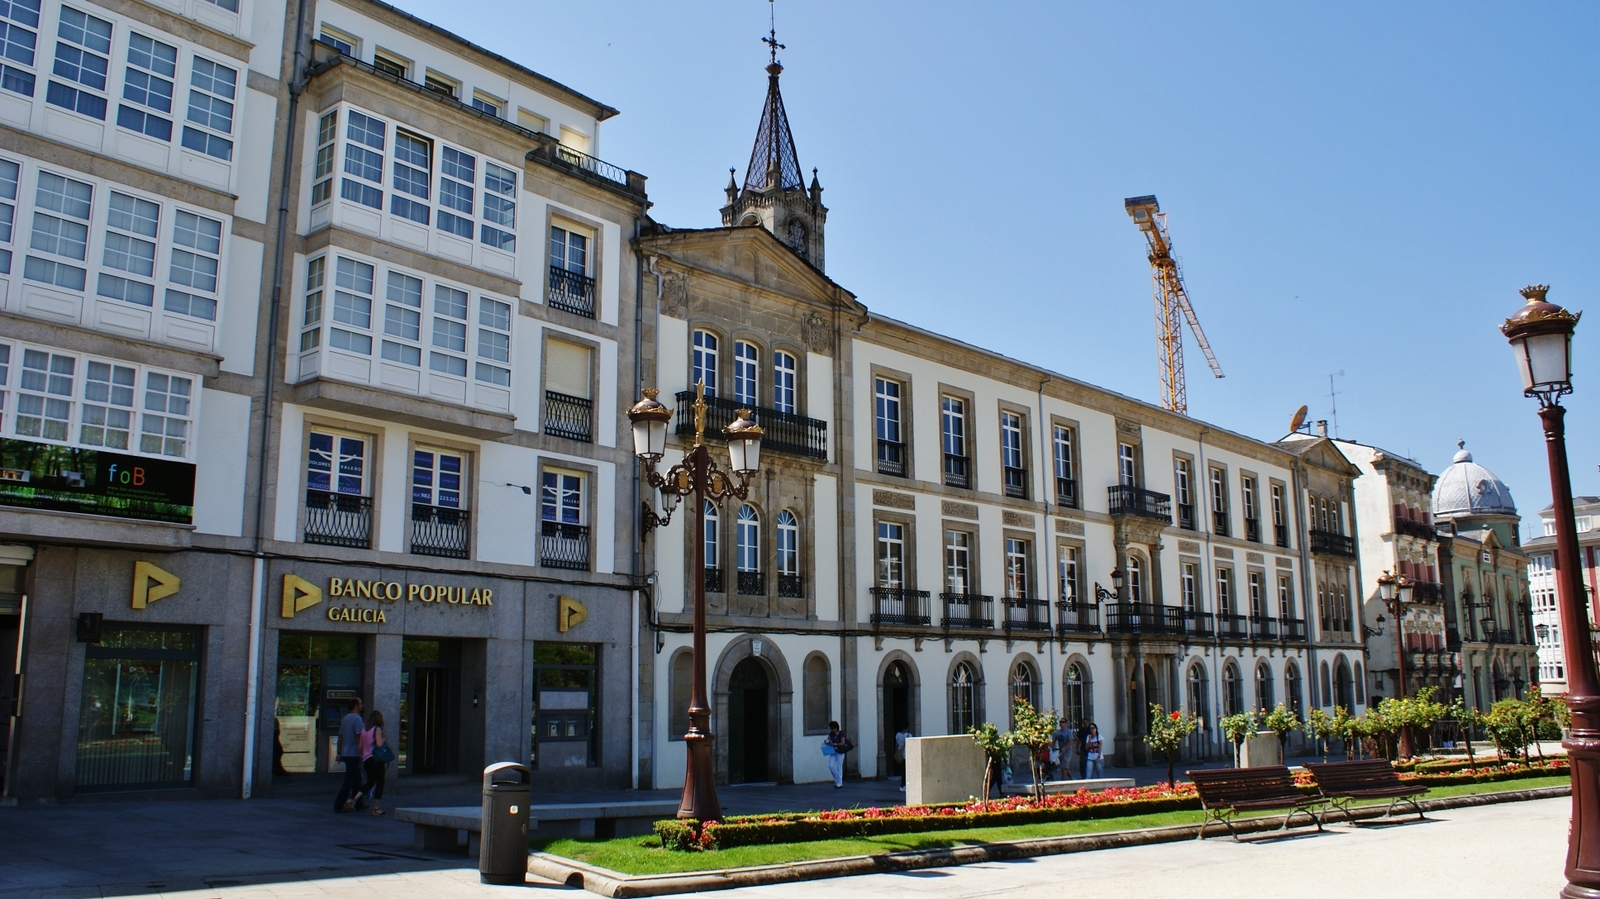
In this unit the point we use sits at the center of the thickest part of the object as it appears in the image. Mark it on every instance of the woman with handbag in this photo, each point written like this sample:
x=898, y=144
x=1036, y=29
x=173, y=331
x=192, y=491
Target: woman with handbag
x=834, y=747
x=376, y=754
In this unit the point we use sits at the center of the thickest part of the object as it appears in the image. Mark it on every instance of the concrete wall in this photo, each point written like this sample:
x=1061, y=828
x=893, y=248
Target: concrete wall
x=943, y=769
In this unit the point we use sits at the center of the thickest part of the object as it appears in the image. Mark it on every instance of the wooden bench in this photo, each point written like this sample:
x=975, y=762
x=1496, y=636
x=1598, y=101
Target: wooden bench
x=1342, y=783
x=1225, y=792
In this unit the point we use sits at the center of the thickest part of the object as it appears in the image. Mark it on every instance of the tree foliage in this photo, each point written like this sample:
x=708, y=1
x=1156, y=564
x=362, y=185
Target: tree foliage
x=1238, y=727
x=1168, y=730
x=996, y=745
x=1036, y=730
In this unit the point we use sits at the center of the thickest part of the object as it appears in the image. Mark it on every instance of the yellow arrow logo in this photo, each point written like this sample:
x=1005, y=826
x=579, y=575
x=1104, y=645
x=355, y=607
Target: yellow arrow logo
x=299, y=594
x=569, y=613
x=151, y=583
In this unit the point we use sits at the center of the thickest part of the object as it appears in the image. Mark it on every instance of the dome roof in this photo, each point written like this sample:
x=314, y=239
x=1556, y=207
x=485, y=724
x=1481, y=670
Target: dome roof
x=1467, y=488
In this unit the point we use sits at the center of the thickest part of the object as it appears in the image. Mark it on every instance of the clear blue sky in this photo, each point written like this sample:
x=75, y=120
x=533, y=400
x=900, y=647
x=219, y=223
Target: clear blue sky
x=1358, y=186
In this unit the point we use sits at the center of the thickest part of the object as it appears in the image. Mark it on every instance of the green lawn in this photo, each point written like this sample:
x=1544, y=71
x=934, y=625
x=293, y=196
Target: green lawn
x=644, y=855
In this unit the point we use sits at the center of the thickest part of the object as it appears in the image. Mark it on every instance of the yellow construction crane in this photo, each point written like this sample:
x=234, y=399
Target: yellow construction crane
x=1171, y=299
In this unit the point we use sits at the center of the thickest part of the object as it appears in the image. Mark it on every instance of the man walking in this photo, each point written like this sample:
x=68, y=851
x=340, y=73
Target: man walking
x=350, y=728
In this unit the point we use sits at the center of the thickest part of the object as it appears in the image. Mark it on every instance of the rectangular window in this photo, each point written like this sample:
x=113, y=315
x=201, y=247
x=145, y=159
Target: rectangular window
x=439, y=84
x=413, y=168
x=486, y=104
x=211, y=91
x=1063, y=443
x=1219, y=502
x=322, y=169
x=1067, y=574
x=1127, y=467
x=10, y=174
x=494, y=342
x=129, y=222
x=338, y=40
x=783, y=383
x=363, y=160
x=449, y=331
x=436, y=479
x=164, y=426
x=402, y=320
x=147, y=87
x=561, y=497
x=1017, y=553
x=19, y=38
x=336, y=463
x=457, y=175
x=1225, y=591
x=311, y=320
x=393, y=66
x=499, y=207
x=1012, y=457
x=1286, y=598
x=957, y=562
x=352, y=306
x=891, y=555
x=1280, y=527
x=746, y=358
x=569, y=250
x=140, y=693
x=1189, y=587
x=65, y=234
x=106, y=417
x=953, y=436
x=44, y=396
x=1258, y=599
x=83, y=57
x=886, y=423
x=705, y=361
x=197, y=247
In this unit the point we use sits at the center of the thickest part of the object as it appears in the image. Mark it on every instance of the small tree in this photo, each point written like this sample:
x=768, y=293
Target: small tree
x=996, y=745
x=1283, y=722
x=1381, y=722
x=1036, y=730
x=1236, y=728
x=1507, y=724
x=1319, y=727
x=1421, y=712
x=1467, y=717
x=1167, y=733
x=1347, y=728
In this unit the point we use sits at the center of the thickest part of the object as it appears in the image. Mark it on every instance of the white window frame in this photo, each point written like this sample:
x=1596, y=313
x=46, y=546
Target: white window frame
x=788, y=543
x=785, y=382
x=209, y=117
x=706, y=348
x=746, y=373
x=76, y=45
x=19, y=47
x=336, y=453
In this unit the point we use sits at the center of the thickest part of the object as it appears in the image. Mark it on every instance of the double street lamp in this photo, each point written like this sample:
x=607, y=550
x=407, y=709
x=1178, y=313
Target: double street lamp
x=1396, y=594
x=1541, y=337
x=699, y=477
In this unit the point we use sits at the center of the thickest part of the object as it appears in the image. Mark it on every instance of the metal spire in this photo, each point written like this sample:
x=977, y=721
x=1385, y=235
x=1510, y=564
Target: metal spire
x=774, y=149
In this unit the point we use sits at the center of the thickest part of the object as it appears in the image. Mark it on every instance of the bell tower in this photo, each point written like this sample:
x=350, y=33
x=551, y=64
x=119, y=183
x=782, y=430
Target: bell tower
x=773, y=195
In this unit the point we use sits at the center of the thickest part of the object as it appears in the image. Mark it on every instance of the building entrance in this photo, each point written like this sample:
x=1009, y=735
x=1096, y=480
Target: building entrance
x=896, y=711
x=318, y=675
x=749, y=693
x=430, y=722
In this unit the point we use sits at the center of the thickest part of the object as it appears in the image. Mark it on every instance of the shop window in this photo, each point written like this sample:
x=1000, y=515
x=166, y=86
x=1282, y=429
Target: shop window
x=136, y=726
x=566, y=682
x=318, y=674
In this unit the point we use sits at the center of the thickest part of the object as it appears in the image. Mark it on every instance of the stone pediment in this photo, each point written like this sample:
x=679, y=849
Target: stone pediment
x=751, y=257
x=1322, y=452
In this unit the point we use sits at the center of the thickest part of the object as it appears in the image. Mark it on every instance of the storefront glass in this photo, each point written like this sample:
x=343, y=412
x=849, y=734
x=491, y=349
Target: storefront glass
x=317, y=675
x=430, y=726
x=136, y=722
x=566, y=682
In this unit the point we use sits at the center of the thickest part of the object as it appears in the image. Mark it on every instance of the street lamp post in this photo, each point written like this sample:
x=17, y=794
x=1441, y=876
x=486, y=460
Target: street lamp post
x=1396, y=592
x=697, y=476
x=1541, y=337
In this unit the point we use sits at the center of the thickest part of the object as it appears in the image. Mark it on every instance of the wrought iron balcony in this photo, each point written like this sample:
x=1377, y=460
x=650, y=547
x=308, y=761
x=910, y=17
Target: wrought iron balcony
x=1144, y=618
x=1501, y=635
x=783, y=432
x=968, y=610
x=440, y=531
x=1252, y=530
x=955, y=471
x=1411, y=528
x=792, y=586
x=1067, y=493
x=1077, y=618
x=592, y=165
x=892, y=458
x=1292, y=628
x=899, y=606
x=566, y=416
x=1221, y=523
x=1232, y=627
x=1016, y=481
x=1332, y=543
x=563, y=545
x=752, y=583
x=1280, y=534
x=1427, y=591
x=714, y=579
x=1186, y=516
x=1023, y=614
x=571, y=292
x=338, y=519
x=1198, y=624
x=1140, y=502
x=1263, y=627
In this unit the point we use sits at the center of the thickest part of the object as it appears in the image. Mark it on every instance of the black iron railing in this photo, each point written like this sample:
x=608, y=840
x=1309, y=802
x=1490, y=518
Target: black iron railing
x=563, y=545
x=1137, y=501
x=968, y=610
x=714, y=582
x=751, y=583
x=592, y=165
x=571, y=292
x=1024, y=614
x=1252, y=530
x=1143, y=618
x=1016, y=481
x=897, y=605
x=1067, y=493
x=1412, y=528
x=440, y=531
x=792, y=586
x=338, y=519
x=1077, y=618
x=783, y=432
x=1263, y=627
x=1292, y=628
x=955, y=471
x=1186, y=516
x=1221, y=523
x=1431, y=591
x=566, y=416
x=1501, y=635
x=1198, y=624
x=891, y=458
x=1280, y=534
x=1332, y=543
x=1233, y=627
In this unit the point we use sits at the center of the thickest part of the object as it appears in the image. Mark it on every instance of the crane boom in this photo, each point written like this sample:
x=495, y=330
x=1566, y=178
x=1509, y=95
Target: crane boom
x=1171, y=301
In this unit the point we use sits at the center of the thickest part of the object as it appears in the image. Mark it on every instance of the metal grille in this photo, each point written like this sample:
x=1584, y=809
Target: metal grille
x=969, y=610
x=1016, y=482
x=439, y=531
x=571, y=292
x=1024, y=614
x=752, y=583
x=791, y=586
x=891, y=458
x=1140, y=502
x=893, y=605
x=783, y=432
x=563, y=545
x=338, y=519
x=566, y=416
x=713, y=580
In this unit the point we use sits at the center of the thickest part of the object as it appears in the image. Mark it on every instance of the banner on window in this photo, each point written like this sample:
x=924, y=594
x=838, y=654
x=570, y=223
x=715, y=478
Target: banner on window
x=96, y=482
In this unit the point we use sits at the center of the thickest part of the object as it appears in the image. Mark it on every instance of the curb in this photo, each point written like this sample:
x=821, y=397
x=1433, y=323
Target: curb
x=623, y=886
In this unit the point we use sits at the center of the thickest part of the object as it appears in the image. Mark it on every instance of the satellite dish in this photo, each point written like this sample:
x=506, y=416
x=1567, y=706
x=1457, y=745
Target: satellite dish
x=1298, y=420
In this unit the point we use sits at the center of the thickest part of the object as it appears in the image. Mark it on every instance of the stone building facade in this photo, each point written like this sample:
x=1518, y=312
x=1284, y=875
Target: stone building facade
x=1545, y=616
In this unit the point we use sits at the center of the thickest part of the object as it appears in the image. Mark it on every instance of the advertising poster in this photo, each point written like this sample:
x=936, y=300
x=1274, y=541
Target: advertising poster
x=95, y=482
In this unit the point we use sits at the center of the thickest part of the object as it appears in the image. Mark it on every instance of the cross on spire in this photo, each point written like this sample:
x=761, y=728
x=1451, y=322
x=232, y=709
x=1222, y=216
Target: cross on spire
x=774, y=149
x=771, y=40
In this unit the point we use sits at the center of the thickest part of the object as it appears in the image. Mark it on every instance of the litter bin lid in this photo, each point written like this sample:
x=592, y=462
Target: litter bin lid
x=498, y=776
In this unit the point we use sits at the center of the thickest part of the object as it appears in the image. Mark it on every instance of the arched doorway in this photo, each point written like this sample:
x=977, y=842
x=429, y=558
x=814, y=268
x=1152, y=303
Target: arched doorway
x=896, y=712
x=749, y=696
x=1343, y=687
x=1151, y=694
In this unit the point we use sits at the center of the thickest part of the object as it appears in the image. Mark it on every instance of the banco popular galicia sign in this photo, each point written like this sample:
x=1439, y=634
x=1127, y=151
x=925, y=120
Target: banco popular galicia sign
x=300, y=594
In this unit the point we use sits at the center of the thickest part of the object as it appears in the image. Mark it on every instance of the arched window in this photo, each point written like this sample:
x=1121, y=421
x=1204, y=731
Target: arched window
x=1199, y=693
x=678, y=683
x=1361, y=686
x=783, y=383
x=1291, y=688
x=1024, y=685
x=1343, y=692
x=788, y=544
x=1327, y=688
x=1075, y=699
x=1135, y=579
x=818, y=694
x=711, y=545
x=705, y=361
x=1264, y=698
x=963, y=698
x=747, y=552
x=1232, y=690
x=746, y=360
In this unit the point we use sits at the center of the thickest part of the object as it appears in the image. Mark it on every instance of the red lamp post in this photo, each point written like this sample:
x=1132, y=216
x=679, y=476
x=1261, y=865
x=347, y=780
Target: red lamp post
x=1541, y=336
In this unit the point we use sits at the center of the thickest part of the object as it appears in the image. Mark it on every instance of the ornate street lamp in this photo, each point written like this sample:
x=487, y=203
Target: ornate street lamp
x=1541, y=338
x=699, y=477
x=1396, y=593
